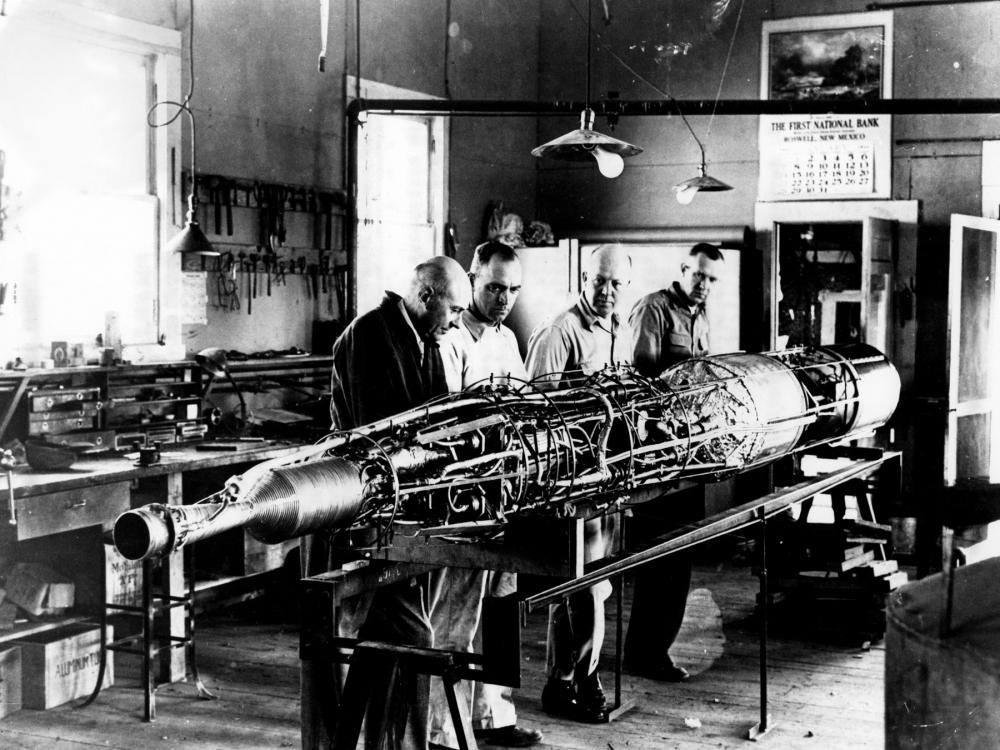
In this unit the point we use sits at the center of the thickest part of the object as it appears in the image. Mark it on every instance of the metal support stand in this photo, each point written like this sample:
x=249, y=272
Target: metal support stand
x=620, y=707
x=147, y=638
x=371, y=681
x=947, y=579
x=763, y=726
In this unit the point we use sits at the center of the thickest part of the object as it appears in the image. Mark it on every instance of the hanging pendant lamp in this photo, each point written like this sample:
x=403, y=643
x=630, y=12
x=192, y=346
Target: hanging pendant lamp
x=585, y=143
x=191, y=240
x=687, y=190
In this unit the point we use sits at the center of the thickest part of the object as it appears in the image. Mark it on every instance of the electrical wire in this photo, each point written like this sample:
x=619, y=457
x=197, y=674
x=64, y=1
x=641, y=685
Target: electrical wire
x=182, y=106
x=663, y=92
x=725, y=67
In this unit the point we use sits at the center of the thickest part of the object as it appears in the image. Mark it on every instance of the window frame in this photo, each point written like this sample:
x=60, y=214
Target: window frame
x=438, y=174
x=160, y=47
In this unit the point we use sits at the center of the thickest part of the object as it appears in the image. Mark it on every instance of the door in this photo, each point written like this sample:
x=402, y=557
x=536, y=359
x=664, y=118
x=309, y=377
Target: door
x=973, y=350
x=878, y=254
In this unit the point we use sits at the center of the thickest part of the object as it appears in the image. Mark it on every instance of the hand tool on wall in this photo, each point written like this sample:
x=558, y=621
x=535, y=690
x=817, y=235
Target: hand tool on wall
x=7, y=464
x=243, y=265
x=324, y=270
x=281, y=194
x=228, y=189
x=340, y=284
x=326, y=201
x=314, y=279
x=173, y=187
x=233, y=287
x=260, y=200
x=3, y=295
x=226, y=291
x=269, y=264
x=301, y=266
x=254, y=257
x=215, y=196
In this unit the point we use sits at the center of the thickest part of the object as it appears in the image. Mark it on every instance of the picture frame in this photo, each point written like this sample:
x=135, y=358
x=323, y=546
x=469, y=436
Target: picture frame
x=826, y=58
x=834, y=57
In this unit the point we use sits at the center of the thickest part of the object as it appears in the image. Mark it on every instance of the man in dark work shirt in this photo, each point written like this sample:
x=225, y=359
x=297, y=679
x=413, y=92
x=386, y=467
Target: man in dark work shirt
x=385, y=362
x=668, y=326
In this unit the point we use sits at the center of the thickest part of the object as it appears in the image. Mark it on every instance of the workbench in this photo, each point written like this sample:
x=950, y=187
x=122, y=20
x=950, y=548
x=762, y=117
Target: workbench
x=62, y=518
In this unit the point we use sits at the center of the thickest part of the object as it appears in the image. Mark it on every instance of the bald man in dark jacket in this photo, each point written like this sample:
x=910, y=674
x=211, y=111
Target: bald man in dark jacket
x=385, y=362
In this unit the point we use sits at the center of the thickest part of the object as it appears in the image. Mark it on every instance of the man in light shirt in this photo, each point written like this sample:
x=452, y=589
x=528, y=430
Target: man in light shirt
x=486, y=353
x=563, y=352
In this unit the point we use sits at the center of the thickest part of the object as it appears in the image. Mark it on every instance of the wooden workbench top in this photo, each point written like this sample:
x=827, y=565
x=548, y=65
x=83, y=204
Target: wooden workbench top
x=113, y=467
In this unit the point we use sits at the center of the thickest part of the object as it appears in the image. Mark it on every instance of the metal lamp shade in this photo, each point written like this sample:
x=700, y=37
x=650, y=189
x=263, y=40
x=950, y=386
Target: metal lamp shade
x=191, y=241
x=687, y=190
x=579, y=144
x=212, y=360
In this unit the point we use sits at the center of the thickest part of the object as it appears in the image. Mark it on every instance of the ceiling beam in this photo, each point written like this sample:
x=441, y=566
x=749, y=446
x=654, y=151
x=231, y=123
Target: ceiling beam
x=667, y=108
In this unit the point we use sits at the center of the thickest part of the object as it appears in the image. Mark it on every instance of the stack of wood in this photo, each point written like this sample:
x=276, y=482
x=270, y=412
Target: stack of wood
x=833, y=579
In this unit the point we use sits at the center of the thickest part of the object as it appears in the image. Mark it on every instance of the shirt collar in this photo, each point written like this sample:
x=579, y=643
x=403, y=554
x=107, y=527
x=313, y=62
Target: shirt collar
x=475, y=324
x=406, y=316
x=591, y=318
x=679, y=298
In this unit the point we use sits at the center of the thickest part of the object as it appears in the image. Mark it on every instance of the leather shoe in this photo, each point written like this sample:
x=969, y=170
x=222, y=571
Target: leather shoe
x=592, y=706
x=509, y=736
x=559, y=698
x=664, y=671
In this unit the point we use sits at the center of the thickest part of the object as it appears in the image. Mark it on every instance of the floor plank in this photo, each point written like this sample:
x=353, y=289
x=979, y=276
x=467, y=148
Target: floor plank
x=821, y=694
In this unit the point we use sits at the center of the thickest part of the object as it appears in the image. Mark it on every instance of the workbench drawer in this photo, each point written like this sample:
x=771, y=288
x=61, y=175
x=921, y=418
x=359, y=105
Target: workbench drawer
x=55, y=512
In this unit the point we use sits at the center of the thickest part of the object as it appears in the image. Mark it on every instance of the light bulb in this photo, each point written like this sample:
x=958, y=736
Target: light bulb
x=686, y=194
x=609, y=163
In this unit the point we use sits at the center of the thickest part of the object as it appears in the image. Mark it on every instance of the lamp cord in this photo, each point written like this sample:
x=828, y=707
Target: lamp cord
x=725, y=68
x=589, y=32
x=357, y=49
x=182, y=106
x=662, y=92
x=447, y=48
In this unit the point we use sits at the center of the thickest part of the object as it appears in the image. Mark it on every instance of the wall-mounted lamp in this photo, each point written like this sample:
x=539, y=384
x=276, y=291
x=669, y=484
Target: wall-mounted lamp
x=585, y=143
x=214, y=361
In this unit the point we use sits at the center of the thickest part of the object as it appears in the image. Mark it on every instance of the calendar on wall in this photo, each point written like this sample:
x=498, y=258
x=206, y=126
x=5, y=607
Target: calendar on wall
x=825, y=157
x=840, y=58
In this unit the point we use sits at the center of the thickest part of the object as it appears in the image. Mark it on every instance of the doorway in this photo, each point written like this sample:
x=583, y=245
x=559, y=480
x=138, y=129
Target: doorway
x=819, y=283
x=847, y=250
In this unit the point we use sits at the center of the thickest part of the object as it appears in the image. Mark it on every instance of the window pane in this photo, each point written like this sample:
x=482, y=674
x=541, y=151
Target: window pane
x=978, y=259
x=399, y=169
x=72, y=115
x=81, y=228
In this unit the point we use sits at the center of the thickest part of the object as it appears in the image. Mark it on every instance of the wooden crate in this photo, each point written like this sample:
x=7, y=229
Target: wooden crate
x=39, y=590
x=123, y=578
x=10, y=680
x=61, y=665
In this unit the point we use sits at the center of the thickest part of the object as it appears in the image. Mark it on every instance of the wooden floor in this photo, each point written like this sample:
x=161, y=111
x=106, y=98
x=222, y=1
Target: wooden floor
x=822, y=695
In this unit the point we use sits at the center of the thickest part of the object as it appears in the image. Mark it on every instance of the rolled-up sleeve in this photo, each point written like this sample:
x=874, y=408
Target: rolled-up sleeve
x=649, y=325
x=548, y=354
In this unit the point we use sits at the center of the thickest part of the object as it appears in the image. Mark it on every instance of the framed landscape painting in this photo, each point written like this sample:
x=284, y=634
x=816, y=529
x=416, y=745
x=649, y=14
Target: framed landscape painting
x=828, y=57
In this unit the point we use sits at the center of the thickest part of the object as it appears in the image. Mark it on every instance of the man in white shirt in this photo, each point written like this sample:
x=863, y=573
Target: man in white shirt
x=485, y=351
